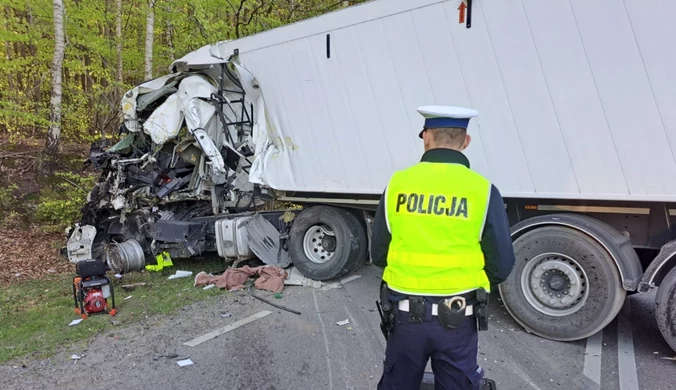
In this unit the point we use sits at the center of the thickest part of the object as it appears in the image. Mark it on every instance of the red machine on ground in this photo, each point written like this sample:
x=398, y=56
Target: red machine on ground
x=91, y=289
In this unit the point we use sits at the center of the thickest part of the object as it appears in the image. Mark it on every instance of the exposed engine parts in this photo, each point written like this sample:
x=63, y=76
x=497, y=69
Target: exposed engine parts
x=181, y=165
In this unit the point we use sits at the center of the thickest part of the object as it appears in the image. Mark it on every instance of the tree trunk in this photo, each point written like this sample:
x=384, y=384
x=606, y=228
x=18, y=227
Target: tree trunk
x=54, y=134
x=8, y=55
x=170, y=41
x=118, y=39
x=150, y=32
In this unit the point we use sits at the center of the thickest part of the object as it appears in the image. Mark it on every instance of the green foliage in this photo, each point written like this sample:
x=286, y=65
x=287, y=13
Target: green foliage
x=60, y=206
x=91, y=93
x=7, y=196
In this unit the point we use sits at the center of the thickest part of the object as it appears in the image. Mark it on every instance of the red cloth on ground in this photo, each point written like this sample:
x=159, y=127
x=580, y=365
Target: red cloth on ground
x=271, y=278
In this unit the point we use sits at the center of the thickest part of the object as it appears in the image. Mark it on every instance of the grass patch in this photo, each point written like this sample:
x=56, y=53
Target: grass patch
x=34, y=315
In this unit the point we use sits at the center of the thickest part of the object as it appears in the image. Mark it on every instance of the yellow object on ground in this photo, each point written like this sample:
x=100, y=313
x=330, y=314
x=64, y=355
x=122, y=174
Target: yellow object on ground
x=163, y=261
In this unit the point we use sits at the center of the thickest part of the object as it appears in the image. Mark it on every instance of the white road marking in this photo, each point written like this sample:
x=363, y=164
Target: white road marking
x=349, y=279
x=227, y=328
x=625, y=350
x=592, y=357
x=326, y=340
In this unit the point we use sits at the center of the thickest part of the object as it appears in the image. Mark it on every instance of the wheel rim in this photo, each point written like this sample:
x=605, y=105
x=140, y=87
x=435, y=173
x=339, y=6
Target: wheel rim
x=554, y=284
x=319, y=244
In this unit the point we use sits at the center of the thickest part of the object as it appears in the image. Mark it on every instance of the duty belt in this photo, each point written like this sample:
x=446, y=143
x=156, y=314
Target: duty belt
x=404, y=305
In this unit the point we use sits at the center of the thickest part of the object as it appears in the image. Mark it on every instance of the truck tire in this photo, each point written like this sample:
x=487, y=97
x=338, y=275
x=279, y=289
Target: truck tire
x=665, y=308
x=564, y=285
x=326, y=242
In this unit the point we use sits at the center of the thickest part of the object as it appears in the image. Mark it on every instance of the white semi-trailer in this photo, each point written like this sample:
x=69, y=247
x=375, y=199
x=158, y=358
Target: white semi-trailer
x=576, y=127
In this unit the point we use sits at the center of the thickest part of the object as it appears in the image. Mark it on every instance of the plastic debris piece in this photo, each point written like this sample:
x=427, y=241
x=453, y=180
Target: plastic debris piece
x=75, y=322
x=75, y=357
x=226, y=315
x=129, y=297
x=183, y=363
x=208, y=286
x=180, y=274
x=295, y=278
x=343, y=322
x=279, y=295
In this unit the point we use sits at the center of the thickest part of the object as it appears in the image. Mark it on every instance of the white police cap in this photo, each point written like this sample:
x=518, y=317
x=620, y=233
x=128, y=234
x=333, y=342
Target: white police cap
x=446, y=116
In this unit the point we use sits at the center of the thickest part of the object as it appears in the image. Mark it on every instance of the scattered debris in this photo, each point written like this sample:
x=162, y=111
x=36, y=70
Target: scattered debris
x=343, y=322
x=115, y=322
x=226, y=315
x=175, y=356
x=130, y=287
x=129, y=297
x=270, y=303
x=209, y=286
x=656, y=353
x=75, y=357
x=295, y=278
x=183, y=363
x=75, y=322
x=673, y=359
x=180, y=274
x=51, y=271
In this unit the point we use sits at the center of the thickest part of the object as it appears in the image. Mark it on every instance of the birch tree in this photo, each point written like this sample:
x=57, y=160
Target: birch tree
x=118, y=39
x=150, y=34
x=54, y=134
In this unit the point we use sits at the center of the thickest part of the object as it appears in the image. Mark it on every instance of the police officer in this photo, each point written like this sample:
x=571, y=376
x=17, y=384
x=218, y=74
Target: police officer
x=441, y=233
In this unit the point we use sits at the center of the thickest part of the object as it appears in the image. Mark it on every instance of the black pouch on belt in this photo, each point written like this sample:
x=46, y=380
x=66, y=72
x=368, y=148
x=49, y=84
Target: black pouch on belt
x=451, y=312
x=416, y=309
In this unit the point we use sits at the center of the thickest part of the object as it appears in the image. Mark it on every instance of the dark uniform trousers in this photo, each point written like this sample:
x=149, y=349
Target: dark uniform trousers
x=453, y=353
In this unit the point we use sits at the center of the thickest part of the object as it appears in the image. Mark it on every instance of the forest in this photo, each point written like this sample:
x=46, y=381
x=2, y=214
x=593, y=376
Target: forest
x=65, y=66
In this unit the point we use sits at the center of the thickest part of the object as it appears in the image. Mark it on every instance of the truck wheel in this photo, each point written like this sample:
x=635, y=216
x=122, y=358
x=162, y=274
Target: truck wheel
x=326, y=242
x=665, y=308
x=564, y=285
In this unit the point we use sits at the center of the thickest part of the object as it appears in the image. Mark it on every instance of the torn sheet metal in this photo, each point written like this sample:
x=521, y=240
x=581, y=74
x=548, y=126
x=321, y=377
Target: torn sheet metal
x=79, y=244
x=207, y=145
x=264, y=242
x=130, y=105
x=147, y=99
x=165, y=122
x=155, y=84
x=129, y=110
x=272, y=164
x=198, y=59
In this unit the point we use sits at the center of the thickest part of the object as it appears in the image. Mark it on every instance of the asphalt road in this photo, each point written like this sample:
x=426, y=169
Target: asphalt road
x=282, y=350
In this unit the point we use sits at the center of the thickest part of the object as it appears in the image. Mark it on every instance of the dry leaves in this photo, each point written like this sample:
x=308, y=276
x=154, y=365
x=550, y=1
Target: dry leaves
x=29, y=254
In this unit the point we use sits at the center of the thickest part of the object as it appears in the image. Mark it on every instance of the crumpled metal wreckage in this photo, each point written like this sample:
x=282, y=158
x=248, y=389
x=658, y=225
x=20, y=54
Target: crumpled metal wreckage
x=181, y=168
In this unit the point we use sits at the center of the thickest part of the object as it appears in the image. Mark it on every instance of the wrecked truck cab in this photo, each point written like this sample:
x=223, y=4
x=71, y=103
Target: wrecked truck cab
x=187, y=178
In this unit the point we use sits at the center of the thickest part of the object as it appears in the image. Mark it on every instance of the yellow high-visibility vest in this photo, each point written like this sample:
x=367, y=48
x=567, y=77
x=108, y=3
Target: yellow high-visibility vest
x=436, y=213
